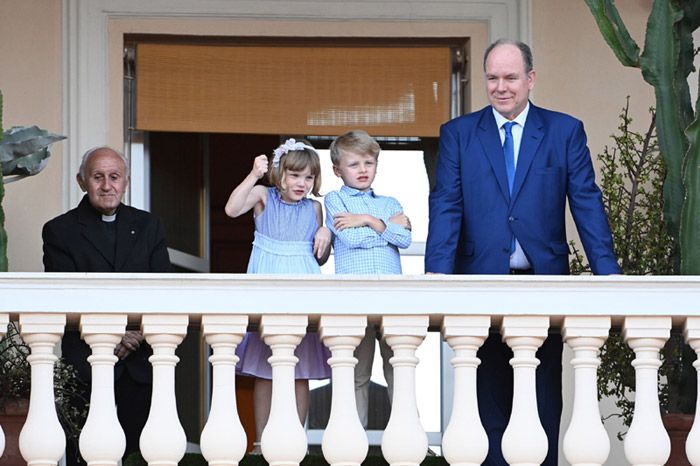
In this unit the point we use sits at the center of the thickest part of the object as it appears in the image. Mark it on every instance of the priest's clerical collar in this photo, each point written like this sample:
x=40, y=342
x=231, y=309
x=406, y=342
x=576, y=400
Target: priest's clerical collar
x=109, y=218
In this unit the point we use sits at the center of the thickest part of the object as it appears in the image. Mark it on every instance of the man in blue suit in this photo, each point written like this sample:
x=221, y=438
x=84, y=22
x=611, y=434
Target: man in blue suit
x=504, y=174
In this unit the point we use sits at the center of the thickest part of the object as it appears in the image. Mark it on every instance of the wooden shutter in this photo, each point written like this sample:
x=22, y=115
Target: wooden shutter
x=262, y=89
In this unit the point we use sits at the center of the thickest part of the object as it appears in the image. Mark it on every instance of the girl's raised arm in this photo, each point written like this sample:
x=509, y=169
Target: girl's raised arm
x=247, y=194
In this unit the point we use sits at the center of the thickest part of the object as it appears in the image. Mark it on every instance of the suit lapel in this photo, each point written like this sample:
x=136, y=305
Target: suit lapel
x=533, y=134
x=127, y=232
x=91, y=229
x=493, y=150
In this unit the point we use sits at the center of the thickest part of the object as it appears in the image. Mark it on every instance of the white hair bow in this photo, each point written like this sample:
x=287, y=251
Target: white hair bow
x=289, y=145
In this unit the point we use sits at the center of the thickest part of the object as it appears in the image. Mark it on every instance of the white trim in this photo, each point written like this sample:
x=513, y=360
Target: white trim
x=85, y=68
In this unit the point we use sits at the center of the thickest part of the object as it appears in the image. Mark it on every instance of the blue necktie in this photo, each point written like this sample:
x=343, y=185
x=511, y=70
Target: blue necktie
x=509, y=154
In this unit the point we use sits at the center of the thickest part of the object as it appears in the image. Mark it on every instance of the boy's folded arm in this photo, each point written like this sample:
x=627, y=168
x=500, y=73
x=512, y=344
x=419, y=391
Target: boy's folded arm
x=356, y=237
x=397, y=235
x=359, y=237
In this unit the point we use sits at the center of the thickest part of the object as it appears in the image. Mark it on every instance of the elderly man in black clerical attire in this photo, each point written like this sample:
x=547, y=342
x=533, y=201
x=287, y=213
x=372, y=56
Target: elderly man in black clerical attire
x=104, y=235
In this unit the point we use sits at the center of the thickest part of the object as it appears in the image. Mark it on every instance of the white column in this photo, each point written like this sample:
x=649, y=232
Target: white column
x=465, y=442
x=646, y=442
x=41, y=440
x=691, y=331
x=223, y=440
x=404, y=442
x=283, y=441
x=524, y=440
x=4, y=320
x=586, y=441
x=163, y=440
x=344, y=440
x=102, y=441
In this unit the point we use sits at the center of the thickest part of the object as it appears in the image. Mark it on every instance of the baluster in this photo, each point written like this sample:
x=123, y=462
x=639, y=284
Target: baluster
x=524, y=440
x=102, y=440
x=163, y=440
x=41, y=440
x=344, y=440
x=223, y=440
x=646, y=442
x=283, y=441
x=4, y=320
x=465, y=442
x=586, y=441
x=691, y=331
x=405, y=442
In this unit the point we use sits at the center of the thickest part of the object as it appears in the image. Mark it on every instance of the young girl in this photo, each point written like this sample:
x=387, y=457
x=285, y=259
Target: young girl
x=289, y=238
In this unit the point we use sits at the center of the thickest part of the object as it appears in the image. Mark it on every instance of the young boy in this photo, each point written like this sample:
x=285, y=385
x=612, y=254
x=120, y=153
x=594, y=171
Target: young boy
x=368, y=231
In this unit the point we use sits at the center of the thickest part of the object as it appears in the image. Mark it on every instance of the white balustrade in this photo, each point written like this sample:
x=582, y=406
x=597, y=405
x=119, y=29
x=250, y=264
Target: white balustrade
x=4, y=320
x=344, y=440
x=647, y=442
x=465, y=442
x=691, y=332
x=223, y=440
x=524, y=440
x=586, y=442
x=163, y=441
x=41, y=441
x=464, y=303
x=102, y=441
x=283, y=441
x=405, y=442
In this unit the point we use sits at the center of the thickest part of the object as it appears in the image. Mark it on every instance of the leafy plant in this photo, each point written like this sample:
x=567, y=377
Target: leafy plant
x=632, y=174
x=24, y=151
x=666, y=63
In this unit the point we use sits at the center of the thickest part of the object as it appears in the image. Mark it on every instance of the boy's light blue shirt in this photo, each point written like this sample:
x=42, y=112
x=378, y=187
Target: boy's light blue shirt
x=361, y=250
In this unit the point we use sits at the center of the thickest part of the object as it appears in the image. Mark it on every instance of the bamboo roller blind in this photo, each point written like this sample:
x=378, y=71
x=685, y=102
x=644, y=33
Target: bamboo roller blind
x=388, y=91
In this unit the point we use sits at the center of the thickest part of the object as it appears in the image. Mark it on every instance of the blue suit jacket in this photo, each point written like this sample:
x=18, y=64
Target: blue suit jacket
x=472, y=215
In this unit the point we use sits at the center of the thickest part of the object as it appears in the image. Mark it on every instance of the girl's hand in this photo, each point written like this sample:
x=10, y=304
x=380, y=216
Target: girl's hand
x=259, y=166
x=322, y=241
x=401, y=220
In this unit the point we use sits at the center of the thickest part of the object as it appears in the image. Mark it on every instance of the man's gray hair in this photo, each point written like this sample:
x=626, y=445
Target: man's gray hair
x=522, y=46
x=88, y=155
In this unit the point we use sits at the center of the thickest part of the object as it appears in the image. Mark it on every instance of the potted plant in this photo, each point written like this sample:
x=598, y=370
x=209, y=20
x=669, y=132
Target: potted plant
x=632, y=177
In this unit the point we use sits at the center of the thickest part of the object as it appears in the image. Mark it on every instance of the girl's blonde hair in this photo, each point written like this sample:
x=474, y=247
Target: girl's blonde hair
x=297, y=160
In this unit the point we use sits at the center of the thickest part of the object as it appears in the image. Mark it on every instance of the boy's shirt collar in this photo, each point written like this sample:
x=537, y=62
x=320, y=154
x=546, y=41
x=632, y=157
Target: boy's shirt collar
x=356, y=192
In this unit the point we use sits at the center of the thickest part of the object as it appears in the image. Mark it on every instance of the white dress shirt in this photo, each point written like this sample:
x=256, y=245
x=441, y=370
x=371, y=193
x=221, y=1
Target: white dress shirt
x=518, y=260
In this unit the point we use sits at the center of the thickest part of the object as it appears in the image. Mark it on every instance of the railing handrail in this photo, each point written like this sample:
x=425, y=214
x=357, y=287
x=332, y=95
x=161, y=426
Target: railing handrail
x=314, y=295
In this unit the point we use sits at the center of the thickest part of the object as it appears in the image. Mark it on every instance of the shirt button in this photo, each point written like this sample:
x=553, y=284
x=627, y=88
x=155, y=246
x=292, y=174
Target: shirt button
x=511, y=219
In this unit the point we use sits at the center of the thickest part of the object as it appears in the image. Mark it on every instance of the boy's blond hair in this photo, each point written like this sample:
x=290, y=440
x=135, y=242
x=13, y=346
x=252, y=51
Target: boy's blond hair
x=297, y=160
x=357, y=141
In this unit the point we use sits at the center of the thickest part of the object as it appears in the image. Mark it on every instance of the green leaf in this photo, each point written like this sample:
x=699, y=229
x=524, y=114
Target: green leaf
x=690, y=218
x=659, y=63
x=3, y=233
x=692, y=13
x=614, y=31
x=23, y=150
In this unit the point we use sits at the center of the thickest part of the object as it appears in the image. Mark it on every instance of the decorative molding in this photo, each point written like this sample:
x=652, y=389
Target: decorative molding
x=85, y=23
